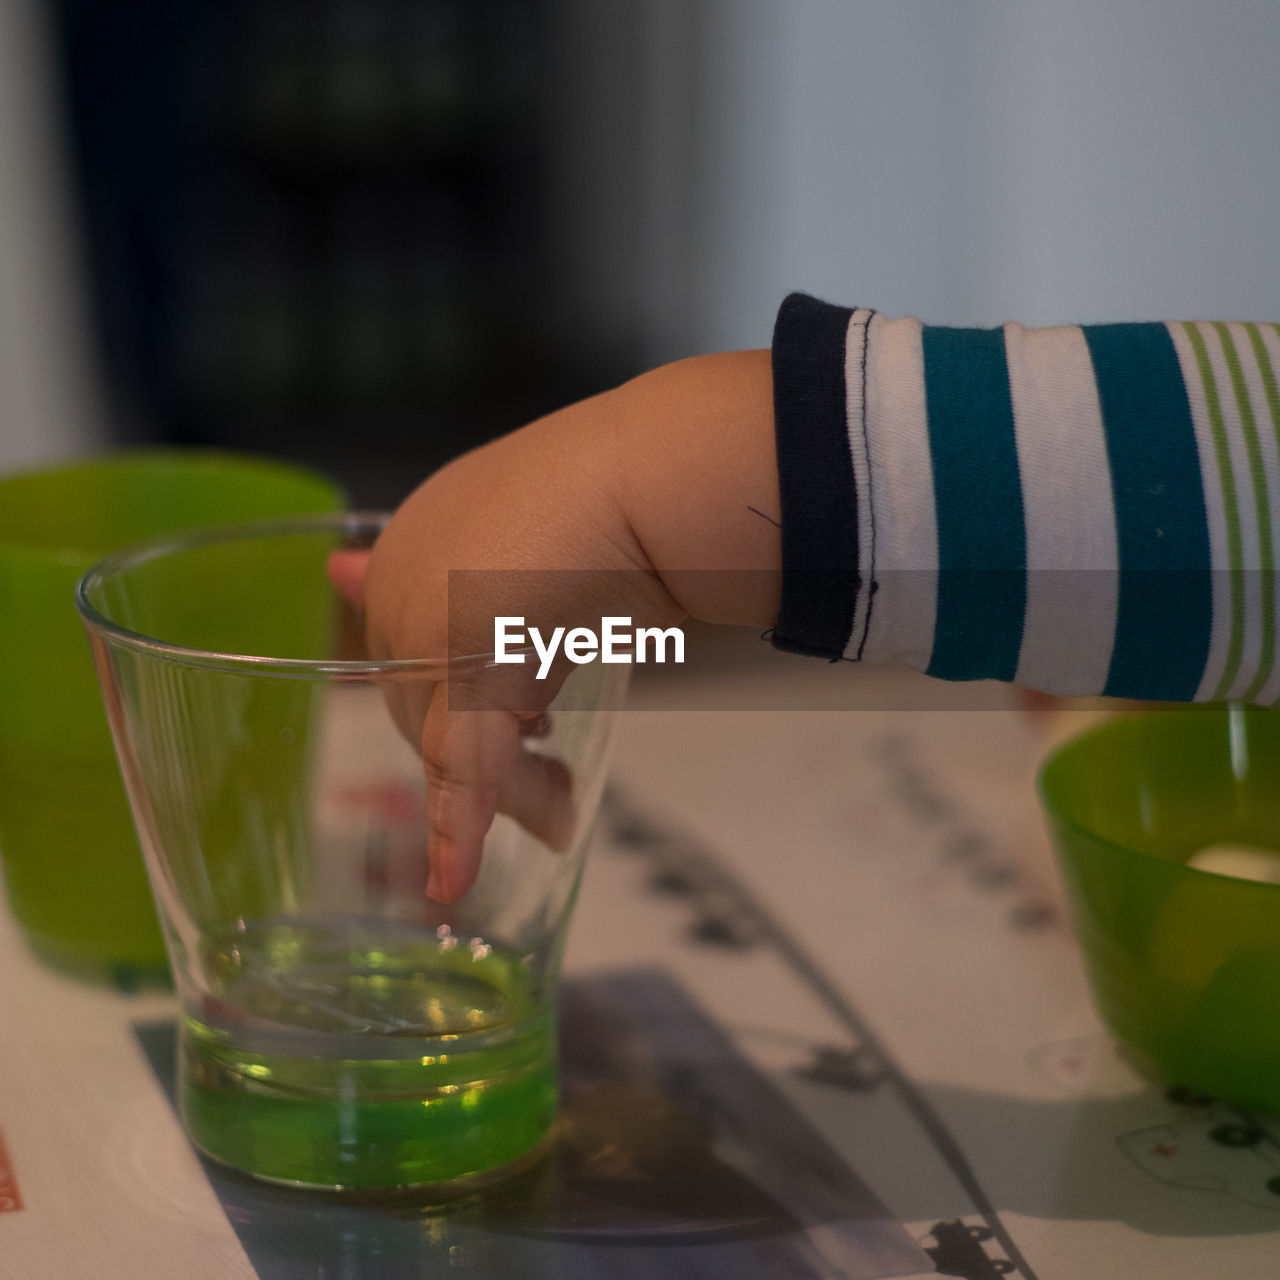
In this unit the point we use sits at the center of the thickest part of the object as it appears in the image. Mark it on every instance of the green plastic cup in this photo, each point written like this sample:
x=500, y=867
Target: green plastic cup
x=73, y=870
x=1184, y=963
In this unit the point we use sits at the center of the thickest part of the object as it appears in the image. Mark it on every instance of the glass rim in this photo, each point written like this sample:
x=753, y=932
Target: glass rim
x=148, y=549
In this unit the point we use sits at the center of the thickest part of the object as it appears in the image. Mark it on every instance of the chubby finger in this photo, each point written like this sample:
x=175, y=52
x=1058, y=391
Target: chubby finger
x=466, y=755
x=476, y=768
x=537, y=791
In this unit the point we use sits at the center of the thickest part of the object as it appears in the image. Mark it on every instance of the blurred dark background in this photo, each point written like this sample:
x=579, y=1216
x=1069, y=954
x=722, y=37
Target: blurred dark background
x=368, y=234
x=321, y=228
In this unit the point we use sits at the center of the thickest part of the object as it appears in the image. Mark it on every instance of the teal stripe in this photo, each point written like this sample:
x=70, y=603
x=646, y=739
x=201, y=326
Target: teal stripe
x=1262, y=517
x=1165, y=605
x=982, y=543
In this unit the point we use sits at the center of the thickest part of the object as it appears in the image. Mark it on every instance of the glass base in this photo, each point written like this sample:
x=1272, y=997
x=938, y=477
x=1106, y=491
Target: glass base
x=359, y=1112
x=458, y=1108
x=416, y=1192
x=360, y=1055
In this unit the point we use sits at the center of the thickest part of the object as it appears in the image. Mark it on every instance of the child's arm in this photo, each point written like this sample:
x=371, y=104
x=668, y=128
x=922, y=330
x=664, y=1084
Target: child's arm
x=639, y=485
x=1078, y=510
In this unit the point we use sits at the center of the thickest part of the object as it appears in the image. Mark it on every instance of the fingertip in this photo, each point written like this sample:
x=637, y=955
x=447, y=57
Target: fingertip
x=346, y=571
x=450, y=874
x=436, y=890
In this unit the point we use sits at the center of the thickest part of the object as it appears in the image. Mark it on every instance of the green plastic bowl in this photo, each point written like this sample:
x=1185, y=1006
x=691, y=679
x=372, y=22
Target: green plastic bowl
x=1184, y=964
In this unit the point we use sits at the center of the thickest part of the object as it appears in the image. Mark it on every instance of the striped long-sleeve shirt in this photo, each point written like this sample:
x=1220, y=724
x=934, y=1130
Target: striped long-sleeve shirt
x=1080, y=509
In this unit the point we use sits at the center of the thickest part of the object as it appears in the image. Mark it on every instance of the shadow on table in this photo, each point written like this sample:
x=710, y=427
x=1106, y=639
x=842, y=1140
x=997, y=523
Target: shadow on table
x=670, y=1144
x=1167, y=1162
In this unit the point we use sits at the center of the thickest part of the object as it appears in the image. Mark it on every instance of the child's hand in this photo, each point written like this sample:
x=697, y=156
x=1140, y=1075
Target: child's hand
x=600, y=509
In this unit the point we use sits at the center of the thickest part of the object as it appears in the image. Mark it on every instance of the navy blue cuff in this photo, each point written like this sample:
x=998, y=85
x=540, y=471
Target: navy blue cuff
x=820, y=580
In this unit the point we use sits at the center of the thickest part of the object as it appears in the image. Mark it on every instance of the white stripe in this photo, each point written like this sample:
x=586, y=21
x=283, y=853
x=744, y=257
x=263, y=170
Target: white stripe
x=1069, y=511
x=855, y=351
x=904, y=609
x=1267, y=438
x=1220, y=634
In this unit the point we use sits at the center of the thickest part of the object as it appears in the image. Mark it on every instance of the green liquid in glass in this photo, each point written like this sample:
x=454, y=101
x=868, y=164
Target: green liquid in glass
x=366, y=1055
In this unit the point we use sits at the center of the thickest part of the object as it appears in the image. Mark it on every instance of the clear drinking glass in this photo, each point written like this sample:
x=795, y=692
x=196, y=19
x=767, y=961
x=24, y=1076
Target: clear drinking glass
x=339, y=1029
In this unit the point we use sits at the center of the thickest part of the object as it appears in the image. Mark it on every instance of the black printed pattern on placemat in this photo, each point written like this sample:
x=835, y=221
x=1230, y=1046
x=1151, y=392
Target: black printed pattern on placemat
x=959, y=1249
x=1210, y=1147
x=673, y=1155
x=853, y=1070
x=679, y=865
x=960, y=843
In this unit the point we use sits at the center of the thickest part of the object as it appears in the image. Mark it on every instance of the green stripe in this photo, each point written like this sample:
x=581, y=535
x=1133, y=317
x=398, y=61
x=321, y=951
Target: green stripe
x=1266, y=564
x=1227, y=480
x=1263, y=357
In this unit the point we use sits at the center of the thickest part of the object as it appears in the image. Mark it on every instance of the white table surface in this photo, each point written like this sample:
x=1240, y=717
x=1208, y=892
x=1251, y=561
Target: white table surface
x=863, y=903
